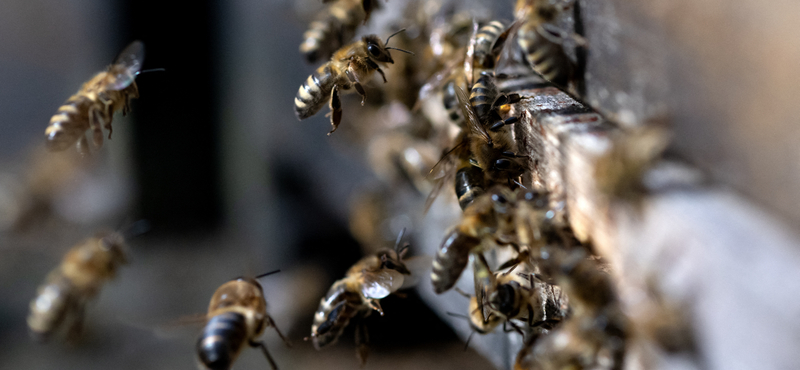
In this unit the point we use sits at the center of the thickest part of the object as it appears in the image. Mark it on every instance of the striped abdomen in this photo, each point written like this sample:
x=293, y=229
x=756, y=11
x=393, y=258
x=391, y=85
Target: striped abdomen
x=223, y=338
x=545, y=57
x=469, y=184
x=450, y=102
x=70, y=122
x=451, y=259
x=482, y=96
x=484, y=41
x=331, y=30
x=314, y=92
x=50, y=307
x=334, y=313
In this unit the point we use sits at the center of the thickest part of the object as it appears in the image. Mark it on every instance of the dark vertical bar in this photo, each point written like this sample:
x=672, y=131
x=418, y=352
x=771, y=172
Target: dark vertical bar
x=176, y=118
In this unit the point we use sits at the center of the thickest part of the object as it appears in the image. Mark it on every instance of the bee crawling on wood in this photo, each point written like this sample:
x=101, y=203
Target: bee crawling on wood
x=237, y=315
x=93, y=107
x=350, y=67
x=355, y=296
x=79, y=277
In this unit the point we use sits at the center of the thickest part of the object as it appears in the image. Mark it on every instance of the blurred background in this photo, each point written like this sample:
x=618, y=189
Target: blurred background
x=214, y=158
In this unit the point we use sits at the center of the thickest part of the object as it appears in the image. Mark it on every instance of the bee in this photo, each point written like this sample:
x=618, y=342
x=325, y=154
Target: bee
x=334, y=27
x=520, y=294
x=541, y=43
x=491, y=140
x=355, y=296
x=595, y=334
x=93, y=107
x=67, y=289
x=518, y=218
x=237, y=315
x=348, y=68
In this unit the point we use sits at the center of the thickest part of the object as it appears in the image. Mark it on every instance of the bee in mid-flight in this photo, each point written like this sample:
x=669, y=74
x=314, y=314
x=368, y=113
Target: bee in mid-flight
x=93, y=107
x=334, y=27
x=237, y=315
x=349, y=67
x=355, y=296
x=63, y=296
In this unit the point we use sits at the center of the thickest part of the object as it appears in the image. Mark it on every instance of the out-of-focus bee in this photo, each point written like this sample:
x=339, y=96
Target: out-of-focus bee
x=541, y=42
x=334, y=27
x=83, y=271
x=620, y=172
x=355, y=296
x=349, y=67
x=398, y=156
x=93, y=107
x=237, y=315
x=499, y=217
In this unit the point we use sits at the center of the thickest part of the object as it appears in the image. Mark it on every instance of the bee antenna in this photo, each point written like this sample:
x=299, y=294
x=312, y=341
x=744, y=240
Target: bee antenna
x=469, y=338
x=267, y=274
x=463, y=293
x=135, y=229
x=151, y=70
x=392, y=35
x=399, y=239
x=398, y=49
x=460, y=316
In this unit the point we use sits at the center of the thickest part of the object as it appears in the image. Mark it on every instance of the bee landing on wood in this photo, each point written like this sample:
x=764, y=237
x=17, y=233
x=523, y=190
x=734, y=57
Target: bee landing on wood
x=83, y=271
x=237, y=315
x=355, y=296
x=93, y=107
x=350, y=67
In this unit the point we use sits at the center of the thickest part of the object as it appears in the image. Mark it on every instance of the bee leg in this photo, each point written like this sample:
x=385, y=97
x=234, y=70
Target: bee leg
x=362, y=342
x=272, y=323
x=499, y=124
x=353, y=77
x=83, y=146
x=375, y=305
x=382, y=74
x=367, y=5
x=336, y=109
x=96, y=123
x=76, y=326
x=263, y=346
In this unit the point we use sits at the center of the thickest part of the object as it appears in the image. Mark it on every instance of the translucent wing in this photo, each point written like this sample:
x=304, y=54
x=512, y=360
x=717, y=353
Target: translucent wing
x=471, y=119
x=435, y=82
x=442, y=173
x=127, y=65
x=380, y=284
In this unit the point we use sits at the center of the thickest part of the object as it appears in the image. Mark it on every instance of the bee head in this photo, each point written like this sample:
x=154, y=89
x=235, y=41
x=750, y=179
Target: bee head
x=504, y=299
x=392, y=261
x=376, y=50
x=114, y=245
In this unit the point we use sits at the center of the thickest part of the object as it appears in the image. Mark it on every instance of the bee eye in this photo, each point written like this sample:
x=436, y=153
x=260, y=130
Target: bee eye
x=374, y=50
x=502, y=164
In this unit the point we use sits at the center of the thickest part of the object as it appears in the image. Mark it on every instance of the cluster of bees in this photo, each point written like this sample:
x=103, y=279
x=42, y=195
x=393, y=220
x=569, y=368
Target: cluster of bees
x=442, y=117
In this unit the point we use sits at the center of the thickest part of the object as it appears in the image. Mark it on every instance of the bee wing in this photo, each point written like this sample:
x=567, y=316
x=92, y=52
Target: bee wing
x=469, y=59
x=471, y=119
x=130, y=60
x=442, y=174
x=435, y=82
x=420, y=266
x=379, y=284
x=483, y=278
x=503, y=47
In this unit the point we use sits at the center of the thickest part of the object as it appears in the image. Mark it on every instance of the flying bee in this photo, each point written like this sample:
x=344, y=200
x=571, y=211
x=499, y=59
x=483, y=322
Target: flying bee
x=348, y=68
x=93, y=107
x=354, y=297
x=542, y=43
x=79, y=277
x=237, y=315
x=334, y=27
